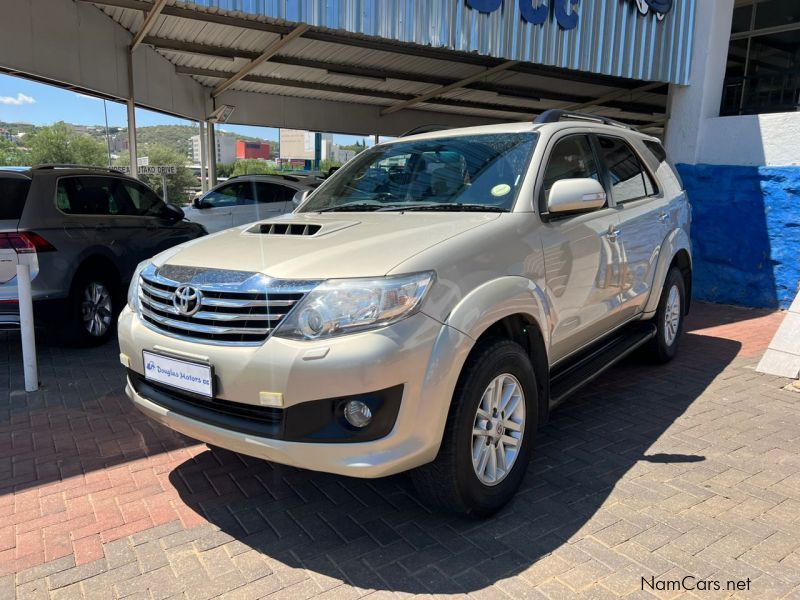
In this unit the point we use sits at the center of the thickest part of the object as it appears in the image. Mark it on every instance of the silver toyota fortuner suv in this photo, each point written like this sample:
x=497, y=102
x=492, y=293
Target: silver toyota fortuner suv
x=424, y=309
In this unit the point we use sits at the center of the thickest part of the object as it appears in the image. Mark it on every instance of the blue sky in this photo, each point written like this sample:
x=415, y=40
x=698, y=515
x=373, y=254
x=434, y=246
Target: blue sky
x=26, y=101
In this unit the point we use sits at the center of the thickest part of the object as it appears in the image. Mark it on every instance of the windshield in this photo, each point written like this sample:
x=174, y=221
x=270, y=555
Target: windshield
x=475, y=172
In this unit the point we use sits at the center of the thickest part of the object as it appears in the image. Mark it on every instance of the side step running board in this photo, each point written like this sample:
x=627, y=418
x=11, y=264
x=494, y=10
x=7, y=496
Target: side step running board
x=566, y=379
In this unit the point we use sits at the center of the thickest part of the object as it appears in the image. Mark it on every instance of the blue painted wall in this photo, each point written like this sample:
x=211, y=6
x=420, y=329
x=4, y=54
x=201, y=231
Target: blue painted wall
x=745, y=233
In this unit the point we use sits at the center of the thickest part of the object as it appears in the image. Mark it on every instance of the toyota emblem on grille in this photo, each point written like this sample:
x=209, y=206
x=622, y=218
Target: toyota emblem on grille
x=187, y=300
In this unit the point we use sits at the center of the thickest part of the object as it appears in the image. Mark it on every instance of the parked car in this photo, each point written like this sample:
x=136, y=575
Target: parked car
x=248, y=198
x=424, y=309
x=82, y=231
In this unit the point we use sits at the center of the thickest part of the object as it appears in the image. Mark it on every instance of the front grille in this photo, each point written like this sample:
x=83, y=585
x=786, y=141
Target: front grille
x=226, y=314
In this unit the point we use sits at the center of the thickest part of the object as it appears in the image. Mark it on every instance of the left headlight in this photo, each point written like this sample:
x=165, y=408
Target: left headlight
x=340, y=306
x=133, y=288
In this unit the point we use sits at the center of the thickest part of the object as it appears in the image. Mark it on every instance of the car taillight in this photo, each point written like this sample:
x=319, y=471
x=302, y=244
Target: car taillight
x=25, y=242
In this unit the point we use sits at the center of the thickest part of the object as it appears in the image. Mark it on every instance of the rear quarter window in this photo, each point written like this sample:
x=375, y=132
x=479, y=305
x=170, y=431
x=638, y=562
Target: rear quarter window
x=13, y=192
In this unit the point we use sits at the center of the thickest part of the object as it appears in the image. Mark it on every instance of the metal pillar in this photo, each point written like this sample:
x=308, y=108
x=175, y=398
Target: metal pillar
x=30, y=367
x=377, y=139
x=212, y=156
x=203, y=153
x=132, y=121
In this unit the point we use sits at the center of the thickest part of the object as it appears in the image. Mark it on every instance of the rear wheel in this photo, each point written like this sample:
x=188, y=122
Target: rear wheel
x=489, y=433
x=92, y=309
x=669, y=318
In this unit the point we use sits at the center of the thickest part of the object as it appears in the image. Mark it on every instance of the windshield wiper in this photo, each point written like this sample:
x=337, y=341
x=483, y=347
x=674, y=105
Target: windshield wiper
x=446, y=206
x=357, y=206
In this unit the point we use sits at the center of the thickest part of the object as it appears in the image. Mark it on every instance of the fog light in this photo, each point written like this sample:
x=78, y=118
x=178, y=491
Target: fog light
x=357, y=413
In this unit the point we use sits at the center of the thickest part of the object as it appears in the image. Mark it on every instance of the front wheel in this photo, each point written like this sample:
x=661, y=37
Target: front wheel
x=92, y=310
x=489, y=433
x=669, y=318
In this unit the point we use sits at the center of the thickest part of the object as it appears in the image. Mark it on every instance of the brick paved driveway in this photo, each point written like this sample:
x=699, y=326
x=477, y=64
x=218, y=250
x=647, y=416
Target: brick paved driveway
x=691, y=469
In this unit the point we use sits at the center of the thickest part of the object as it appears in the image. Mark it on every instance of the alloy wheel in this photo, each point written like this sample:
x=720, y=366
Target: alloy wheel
x=97, y=309
x=498, y=429
x=672, y=316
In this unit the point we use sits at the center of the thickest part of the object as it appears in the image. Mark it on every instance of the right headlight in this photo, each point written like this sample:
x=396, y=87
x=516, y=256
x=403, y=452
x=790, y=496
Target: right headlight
x=341, y=306
x=133, y=288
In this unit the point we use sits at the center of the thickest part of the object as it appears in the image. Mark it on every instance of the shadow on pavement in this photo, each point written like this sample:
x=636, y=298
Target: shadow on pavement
x=374, y=534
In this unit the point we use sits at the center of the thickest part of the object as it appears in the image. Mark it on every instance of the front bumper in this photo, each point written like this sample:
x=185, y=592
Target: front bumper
x=418, y=354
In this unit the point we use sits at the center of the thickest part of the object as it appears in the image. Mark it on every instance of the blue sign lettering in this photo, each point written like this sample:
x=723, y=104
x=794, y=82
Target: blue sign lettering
x=536, y=12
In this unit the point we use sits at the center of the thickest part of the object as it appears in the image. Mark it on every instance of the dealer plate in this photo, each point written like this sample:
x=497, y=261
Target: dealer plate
x=187, y=376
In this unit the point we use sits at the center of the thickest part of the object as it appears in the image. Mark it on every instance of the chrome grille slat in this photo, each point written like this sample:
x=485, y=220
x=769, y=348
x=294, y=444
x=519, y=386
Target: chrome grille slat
x=232, y=303
x=213, y=316
x=198, y=328
x=236, y=308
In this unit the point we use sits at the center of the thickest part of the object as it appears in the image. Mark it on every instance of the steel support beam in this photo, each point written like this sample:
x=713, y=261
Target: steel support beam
x=211, y=153
x=149, y=21
x=131, y=105
x=648, y=115
x=203, y=160
x=613, y=96
x=271, y=51
x=448, y=88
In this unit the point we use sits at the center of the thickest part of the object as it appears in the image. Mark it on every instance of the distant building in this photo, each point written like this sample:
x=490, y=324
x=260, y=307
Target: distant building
x=6, y=135
x=250, y=150
x=341, y=155
x=226, y=149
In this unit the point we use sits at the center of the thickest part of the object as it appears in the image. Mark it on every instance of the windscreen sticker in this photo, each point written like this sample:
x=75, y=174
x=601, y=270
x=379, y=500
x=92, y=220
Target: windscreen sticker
x=500, y=189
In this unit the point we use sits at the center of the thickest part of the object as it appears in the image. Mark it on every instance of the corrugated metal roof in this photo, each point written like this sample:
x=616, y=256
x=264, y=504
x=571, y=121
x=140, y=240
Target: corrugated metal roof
x=538, y=91
x=611, y=36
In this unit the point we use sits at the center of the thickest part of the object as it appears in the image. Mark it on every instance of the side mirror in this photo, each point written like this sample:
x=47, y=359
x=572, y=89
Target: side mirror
x=197, y=203
x=575, y=195
x=174, y=213
x=299, y=197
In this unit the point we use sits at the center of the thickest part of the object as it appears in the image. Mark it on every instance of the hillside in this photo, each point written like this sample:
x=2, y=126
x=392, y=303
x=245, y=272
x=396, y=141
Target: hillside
x=174, y=137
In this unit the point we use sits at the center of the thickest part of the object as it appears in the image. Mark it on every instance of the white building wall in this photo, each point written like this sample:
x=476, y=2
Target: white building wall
x=754, y=140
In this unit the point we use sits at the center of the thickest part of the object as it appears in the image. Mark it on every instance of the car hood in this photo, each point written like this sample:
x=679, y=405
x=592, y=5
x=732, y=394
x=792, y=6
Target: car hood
x=322, y=246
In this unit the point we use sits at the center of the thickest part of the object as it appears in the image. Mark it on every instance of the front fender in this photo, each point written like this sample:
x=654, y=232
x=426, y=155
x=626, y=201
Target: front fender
x=471, y=317
x=499, y=298
x=676, y=241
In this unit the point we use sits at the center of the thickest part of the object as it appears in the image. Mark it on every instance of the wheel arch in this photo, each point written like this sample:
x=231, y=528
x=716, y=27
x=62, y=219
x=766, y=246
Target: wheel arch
x=98, y=262
x=509, y=307
x=676, y=250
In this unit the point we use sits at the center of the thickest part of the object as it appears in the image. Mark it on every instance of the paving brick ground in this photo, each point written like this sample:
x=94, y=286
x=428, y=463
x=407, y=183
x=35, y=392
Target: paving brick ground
x=662, y=472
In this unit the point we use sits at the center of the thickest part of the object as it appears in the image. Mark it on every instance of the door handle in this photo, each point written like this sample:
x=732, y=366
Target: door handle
x=613, y=233
x=101, y=226
x=663, y=217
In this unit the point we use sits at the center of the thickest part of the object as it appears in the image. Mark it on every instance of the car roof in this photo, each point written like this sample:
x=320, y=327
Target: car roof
x=293, y=181
x=521, y=127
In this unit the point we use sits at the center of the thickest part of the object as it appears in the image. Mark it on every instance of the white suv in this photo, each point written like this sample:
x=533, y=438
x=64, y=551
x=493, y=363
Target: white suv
x=424, y=309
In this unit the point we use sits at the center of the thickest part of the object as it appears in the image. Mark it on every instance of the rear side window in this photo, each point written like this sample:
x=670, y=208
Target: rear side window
x=629, y=180
x=93, y=195
x=657, y=150
x=267, y=193
x=13, y=191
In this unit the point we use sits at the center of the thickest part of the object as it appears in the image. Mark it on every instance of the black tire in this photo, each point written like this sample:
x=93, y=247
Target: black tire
x=76, y=330
x=450, y=482
x=664, y=346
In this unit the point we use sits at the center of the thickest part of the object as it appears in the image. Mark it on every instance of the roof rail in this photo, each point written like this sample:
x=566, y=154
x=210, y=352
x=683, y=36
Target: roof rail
x=423, y=129
x=70, y=166
x=554, y=115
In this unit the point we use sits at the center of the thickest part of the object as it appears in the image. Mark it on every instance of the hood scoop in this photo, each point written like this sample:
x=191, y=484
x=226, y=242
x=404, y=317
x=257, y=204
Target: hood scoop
x=298, y=228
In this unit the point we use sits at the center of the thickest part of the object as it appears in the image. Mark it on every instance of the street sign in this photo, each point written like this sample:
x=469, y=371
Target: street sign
x=151, y=170
x=143, y=161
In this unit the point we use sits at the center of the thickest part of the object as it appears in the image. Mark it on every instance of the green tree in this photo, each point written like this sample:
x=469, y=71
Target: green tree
x=252, y=167
x=327, y=164
x=178, y=185
x=59, y=144
x=12, y=155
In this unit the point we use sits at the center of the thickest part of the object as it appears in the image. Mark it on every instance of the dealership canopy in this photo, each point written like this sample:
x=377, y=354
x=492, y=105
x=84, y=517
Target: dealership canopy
x=360, y=66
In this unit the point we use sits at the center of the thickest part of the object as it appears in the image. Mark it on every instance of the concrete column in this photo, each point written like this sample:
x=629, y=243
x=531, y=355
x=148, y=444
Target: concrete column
x=203, y=153
x=211, y=151
x=690, y=105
